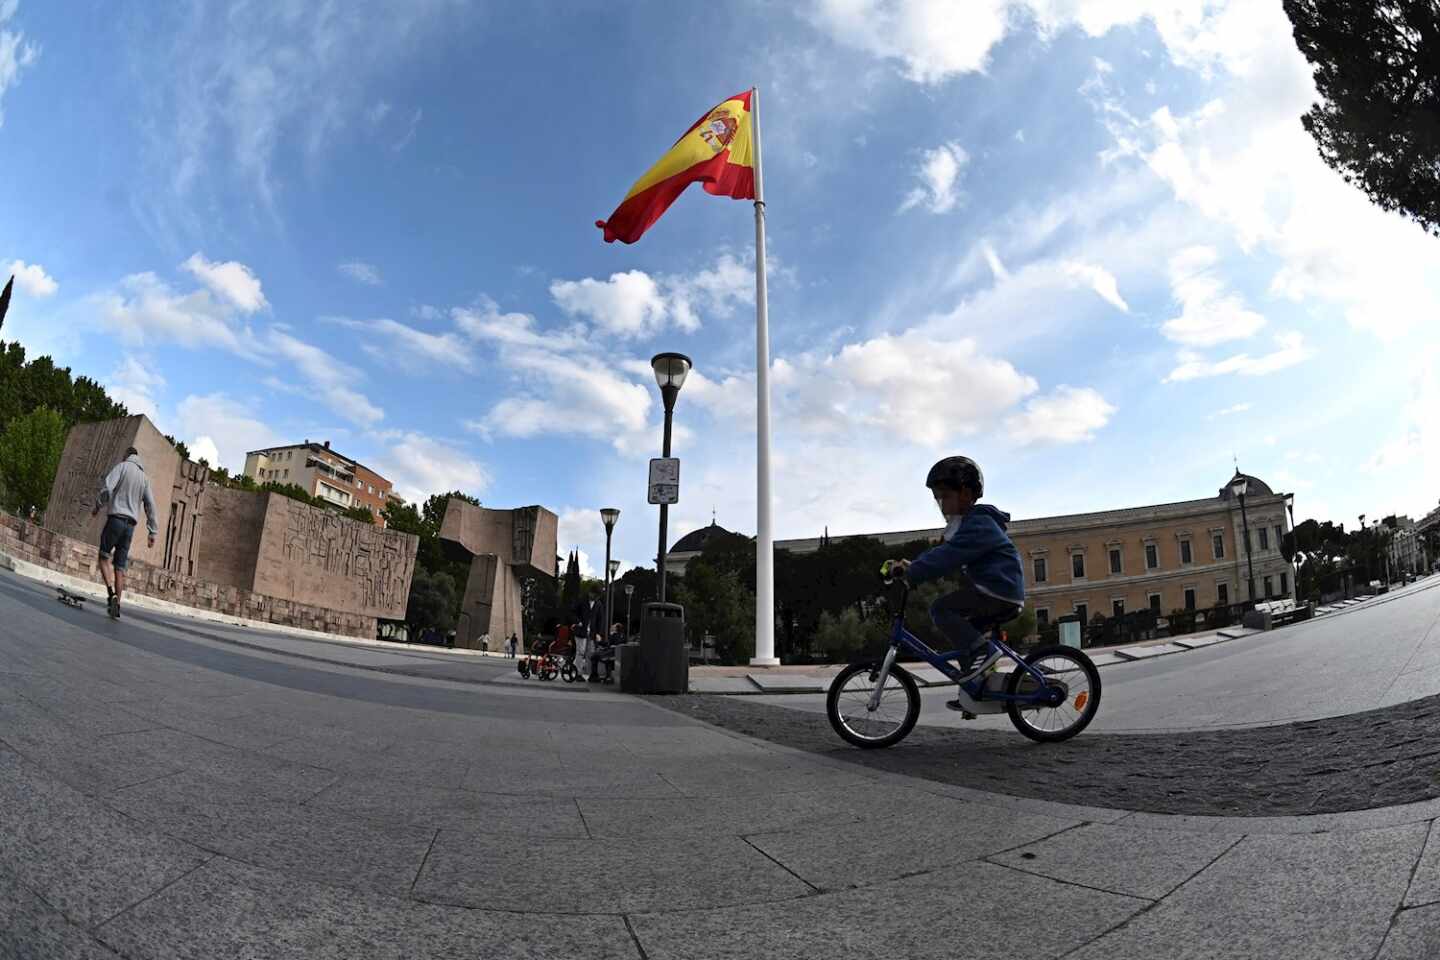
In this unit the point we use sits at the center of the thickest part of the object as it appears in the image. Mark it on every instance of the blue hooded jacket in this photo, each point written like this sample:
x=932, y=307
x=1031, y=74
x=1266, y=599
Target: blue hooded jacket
x=977, y=544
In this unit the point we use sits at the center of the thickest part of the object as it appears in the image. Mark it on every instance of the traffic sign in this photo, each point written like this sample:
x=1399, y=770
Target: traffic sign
x=664, y=484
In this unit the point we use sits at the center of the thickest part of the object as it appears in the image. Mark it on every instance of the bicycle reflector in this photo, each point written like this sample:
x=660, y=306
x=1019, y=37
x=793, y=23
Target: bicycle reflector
x=1080, y=699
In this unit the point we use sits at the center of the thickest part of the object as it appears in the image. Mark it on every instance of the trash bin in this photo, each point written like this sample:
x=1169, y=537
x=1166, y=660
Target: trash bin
x=1070, y=631
x=627, y=668
x=664, y=656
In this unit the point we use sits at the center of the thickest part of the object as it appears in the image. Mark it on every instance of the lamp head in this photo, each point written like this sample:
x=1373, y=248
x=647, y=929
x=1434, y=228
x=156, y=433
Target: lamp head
x=629, y=589
x=670, y=372
x=608, y=516
x=1239, y=485
x=614, y=565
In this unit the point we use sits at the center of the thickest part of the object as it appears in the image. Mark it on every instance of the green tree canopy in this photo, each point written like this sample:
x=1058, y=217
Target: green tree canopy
x=30, y=451
x=1378, y=122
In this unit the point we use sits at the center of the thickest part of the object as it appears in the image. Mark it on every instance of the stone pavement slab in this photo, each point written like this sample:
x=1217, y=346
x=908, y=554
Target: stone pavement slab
x=30, y=927
x=835, y=857
x=1195, y=643
x=86, y=861
x=1154, y=862
x=1415, y=935
x=978, y=911
x=418, y=805
x=1236, y=633
x=788, y=683
x=1152, y=650
x=1106, y=658
x=231, y=911
x=262, y=775
x=601, y=876
x=1328, y=895
x=88, y=760
x=722, y=685
x=1425, y=885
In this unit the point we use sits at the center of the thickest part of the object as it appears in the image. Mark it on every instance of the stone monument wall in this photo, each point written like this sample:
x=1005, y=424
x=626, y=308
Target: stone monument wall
x=234, y=520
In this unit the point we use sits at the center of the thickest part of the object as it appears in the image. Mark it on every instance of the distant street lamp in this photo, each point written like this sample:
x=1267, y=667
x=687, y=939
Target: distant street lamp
x=1294, y=544
x=670, y=372
x=1238, y=486
x=611, y=567
x=629, y=598
x=608, y=516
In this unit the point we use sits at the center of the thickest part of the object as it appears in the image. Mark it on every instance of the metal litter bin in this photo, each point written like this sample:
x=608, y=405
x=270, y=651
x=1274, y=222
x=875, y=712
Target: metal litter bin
x=1071, y=631
x=627, y=668
x=664, y=656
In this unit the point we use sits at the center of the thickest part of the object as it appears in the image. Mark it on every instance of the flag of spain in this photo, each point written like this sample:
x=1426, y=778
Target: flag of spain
x=717, y=152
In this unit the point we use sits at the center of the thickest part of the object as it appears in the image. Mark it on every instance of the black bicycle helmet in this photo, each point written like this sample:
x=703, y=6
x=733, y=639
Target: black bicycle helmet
x=954, y=473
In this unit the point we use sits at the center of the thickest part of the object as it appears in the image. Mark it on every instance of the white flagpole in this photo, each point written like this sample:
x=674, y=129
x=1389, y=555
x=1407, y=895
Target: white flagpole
x=765, y=539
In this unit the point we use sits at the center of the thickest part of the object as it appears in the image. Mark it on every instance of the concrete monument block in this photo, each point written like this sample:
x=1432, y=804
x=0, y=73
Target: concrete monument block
x=505, y=547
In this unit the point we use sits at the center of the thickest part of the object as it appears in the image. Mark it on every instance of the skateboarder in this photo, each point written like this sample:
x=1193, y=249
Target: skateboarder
x=123, y=493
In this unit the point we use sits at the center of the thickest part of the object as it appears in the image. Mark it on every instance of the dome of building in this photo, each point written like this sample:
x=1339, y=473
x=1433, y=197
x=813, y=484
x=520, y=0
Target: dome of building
x=1255, y=487
x=695, y=540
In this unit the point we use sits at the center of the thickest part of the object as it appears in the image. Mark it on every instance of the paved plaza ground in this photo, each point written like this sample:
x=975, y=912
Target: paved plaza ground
x=175, y=790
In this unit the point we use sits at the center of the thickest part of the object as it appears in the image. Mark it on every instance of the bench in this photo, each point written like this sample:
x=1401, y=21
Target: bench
x=1269, y=614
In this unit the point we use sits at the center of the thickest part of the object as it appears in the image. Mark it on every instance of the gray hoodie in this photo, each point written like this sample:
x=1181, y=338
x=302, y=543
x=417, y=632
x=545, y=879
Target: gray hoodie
x=126, y=489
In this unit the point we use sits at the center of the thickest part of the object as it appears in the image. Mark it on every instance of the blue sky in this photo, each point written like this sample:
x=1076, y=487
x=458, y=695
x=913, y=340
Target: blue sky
x=1085, y=242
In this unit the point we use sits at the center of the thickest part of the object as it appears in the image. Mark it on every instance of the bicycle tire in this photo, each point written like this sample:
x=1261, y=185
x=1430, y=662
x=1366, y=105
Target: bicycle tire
x=568, y=673
x=548, y=669
x=1087, y=711
x=847, y=732
x=522, y=667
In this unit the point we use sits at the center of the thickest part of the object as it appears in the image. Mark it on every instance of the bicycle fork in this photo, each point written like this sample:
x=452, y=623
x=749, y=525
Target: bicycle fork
x=881, y=677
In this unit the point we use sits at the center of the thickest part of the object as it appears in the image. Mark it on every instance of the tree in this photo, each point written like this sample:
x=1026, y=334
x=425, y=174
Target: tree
x=842, y=635
x=29, y=456
x=1378, y=122
x=361, y=514
x=716, y=603
x=432, y=602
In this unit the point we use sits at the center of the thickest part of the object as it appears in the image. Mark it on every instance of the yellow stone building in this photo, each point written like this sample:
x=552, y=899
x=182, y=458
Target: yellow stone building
x=1188, y=555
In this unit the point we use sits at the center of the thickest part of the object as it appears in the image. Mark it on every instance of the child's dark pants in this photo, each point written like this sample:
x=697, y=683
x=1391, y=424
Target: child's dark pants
x=956, y=613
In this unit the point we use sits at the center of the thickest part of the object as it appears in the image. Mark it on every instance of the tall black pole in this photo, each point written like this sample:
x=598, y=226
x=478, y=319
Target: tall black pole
x=668, y=394
x=605, y=634
x=1294, y=546
x=1245, y=521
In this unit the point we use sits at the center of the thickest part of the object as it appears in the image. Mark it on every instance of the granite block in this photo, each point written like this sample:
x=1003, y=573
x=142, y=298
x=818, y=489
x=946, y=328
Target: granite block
x=976, y=911
x=248, y=772
x=1425, y=885
x=30, y=927
x=789, y=683
x=1415, y=935
x=600, y=876
x=419, y=805
x=1304, y=897
x=1140, y=863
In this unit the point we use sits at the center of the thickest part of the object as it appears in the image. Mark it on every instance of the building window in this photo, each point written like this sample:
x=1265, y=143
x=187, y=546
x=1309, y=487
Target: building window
x=1248, y=541
x=1269, y=586
x=287, y=471
x=1077, y=566
x=1042, y=616
x=1185, y=551
x=1284, y=584
x=1114, y=560
x=1279, y=536
x=1040, y=571
x=1155, y=602
x=370, y=487
x=1082, y=610
x=1152, y=556
x=1264, y=539
x=1217, y=545
x=1189, y=598
x=1117, y=608
x=1222, y=594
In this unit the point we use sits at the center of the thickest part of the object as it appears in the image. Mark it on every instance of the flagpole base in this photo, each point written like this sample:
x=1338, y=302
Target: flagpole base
x=764, y=661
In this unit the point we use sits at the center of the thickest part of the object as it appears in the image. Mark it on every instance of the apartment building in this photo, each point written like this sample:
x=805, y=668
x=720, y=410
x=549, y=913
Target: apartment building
x=322, y=473
x=1171, y=556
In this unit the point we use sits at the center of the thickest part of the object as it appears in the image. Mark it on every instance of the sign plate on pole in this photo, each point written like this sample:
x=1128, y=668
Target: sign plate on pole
x=664, y=480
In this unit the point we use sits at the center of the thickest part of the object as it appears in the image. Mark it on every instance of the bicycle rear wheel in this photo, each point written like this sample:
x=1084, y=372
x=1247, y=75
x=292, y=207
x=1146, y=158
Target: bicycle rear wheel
x=848, y=705
x=568, y=673
x=1077, y=684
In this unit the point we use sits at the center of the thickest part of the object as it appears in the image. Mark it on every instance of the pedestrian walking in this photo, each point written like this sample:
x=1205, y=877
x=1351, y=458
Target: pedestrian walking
x=514, y=645
x=485, y=642
x=124, y=492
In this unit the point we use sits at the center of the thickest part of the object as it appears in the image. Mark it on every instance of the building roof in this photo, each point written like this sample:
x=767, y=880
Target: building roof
x=695, y=540
x=317, y=448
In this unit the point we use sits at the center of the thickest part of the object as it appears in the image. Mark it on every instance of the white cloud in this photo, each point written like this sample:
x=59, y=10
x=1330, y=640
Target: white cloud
x=366, y=273
x=146, y=308
x=410, y=130
x=932, y=39
x=134, y=384
x=1290, y=350
x=330, y=379
x=31, y=278
x=15, y=53
x=1065, y=415
x=1235, y=408
x=1209, y=314
x=939, y=175
x=232, y=280
x=203, y=448
x=420, y=465
x=1100, y=280
x=413, y=349
x=230, y=426
x=634, y=304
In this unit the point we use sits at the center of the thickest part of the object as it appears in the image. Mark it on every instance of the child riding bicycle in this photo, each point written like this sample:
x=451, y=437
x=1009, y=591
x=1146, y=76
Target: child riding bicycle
x=977, y=552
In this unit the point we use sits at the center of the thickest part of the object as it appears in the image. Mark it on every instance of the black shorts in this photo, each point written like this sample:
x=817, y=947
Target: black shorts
x=116, y=536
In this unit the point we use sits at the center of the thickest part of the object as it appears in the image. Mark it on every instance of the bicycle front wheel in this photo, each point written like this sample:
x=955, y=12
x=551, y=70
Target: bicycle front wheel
x=1076, y=684
x=568, y=673
x=848, y=705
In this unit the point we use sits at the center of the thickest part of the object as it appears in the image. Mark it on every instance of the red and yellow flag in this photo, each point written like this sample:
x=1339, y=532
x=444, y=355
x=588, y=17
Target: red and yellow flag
x=718, y=152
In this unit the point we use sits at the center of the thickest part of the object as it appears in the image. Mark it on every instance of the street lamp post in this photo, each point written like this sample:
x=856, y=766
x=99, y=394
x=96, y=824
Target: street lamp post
x=1294, y=545
x=608, y=516
x=612, y=567
x=670, y=372
x=1239, y=485
x=629, y=598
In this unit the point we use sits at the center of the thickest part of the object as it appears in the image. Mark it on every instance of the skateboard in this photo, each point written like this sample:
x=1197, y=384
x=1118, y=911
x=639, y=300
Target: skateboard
x=71, y=599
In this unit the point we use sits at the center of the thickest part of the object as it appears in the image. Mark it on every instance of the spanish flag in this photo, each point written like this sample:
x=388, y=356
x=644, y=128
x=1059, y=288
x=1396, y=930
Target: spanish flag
x=718, y=152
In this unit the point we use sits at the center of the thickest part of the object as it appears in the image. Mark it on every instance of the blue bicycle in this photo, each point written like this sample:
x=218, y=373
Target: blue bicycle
x=1051, y=695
